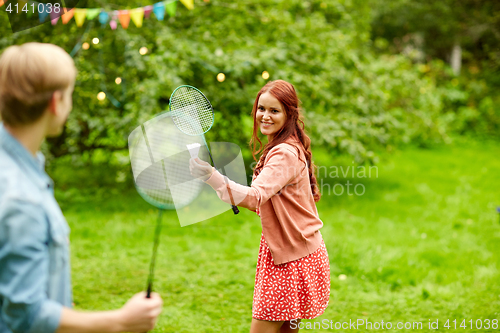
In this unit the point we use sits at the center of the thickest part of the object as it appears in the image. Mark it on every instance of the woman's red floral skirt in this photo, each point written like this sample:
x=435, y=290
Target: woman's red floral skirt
x=298, y=289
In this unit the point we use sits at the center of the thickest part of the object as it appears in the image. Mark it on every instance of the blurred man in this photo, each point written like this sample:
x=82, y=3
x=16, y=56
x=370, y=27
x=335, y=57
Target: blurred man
x=36, y=84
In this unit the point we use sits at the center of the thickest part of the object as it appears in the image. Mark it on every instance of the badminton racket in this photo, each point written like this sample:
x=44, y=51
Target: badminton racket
x=193, y=115
x=160, y=166
x=152, y=264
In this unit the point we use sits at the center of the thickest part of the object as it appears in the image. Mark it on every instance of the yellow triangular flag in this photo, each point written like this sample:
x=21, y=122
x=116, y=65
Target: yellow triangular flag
x=21, y=5
x=188, y=3
x=80, y=15
x=137, y=15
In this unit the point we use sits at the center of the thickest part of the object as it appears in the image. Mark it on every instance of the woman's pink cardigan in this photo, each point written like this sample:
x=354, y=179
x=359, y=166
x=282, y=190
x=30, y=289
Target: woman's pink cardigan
x=281, y=193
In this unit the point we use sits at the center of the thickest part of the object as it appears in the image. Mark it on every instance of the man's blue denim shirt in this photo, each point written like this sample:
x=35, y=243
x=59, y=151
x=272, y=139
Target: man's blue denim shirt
x=35, y=278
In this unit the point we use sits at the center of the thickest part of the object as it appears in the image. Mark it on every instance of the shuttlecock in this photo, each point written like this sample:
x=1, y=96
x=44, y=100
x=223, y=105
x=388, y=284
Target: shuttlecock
x=194, y=149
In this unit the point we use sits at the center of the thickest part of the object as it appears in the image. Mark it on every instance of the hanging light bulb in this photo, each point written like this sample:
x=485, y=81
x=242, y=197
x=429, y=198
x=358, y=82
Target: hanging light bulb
x=143, y=50
x=265, y=75
x=101, y=96
x=85, y=46
x=221, y=77
x=118, y=80
x=95, y=41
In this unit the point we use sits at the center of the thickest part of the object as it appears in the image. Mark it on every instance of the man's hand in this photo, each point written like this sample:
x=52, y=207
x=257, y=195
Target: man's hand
x=140, y=314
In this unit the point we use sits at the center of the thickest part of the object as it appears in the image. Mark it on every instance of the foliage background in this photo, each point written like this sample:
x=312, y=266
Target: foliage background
x=361, y=88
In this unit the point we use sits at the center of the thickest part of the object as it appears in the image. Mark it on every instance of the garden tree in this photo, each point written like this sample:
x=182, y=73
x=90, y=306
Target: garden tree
x=447, y=27
x=355, y=100
x=456, y=31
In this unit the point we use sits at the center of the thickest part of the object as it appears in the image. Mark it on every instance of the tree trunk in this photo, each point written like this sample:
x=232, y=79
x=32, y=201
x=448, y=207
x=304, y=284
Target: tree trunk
x=456, y=58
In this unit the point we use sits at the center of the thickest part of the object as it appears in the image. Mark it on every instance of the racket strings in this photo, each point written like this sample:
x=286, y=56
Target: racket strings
x=160, y=163
x=191, y=111
x=152, y=183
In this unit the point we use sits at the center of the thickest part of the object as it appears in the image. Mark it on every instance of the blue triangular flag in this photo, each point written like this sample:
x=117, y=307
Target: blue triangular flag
x=103, y=18
x=159, y=10
x=42, y=15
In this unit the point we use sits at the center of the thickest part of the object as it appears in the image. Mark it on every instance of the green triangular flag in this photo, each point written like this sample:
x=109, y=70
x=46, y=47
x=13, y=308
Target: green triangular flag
x=92, y=13
x=171, y=7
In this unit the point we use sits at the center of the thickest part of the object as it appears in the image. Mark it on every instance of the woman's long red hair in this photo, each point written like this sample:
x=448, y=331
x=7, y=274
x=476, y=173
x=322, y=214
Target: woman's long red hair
x=294, y=126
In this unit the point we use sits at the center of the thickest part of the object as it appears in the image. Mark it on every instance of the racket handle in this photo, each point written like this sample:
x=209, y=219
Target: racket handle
x=235, y=210
x=150, y=289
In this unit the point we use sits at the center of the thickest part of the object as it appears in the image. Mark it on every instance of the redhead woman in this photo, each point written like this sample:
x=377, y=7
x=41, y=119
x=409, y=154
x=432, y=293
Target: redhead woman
x=292, y=281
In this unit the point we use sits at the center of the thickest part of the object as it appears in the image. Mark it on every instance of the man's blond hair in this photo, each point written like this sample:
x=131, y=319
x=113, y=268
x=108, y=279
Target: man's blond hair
x=29, y=75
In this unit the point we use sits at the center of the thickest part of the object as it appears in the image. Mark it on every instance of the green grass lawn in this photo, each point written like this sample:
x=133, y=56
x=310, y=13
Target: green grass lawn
x=423, y=242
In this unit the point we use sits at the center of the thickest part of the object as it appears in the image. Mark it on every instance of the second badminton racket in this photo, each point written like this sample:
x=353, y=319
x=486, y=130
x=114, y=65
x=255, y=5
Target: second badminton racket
x=193, y=115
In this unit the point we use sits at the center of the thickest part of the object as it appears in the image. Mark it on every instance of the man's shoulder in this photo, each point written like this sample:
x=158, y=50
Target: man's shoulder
x=14, y=183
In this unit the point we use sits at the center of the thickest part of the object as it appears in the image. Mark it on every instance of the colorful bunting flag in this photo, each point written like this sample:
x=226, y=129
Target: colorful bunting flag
x=147, y=11
x=188, y=3
x=92, y=13
x=159, y=10
x=137, y=16
x=68, y=15
x=103, y=18
x=124, y=17
x=114, y=18
x=54, y=17
x=43, y=13
x=80, y=14
x=171, y=8
x=21, y=4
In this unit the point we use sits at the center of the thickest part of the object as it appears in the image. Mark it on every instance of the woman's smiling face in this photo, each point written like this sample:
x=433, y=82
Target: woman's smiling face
x=270, y=115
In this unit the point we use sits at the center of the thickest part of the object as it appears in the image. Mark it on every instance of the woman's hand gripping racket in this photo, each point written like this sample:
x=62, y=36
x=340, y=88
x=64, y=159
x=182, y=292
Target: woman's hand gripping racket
x=193, y=115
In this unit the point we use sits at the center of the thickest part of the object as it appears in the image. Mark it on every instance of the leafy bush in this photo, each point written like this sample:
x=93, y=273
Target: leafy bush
x=355, y=100
x=470, y=102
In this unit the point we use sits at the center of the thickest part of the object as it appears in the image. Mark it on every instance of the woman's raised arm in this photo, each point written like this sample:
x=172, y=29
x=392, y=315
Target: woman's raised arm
x=282, y=166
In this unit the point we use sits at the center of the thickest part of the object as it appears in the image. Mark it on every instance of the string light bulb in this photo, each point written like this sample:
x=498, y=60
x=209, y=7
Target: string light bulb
x=101, y=96
x=85, y=46
x=265, y=75
x=143, y=50
x=118, y=80
x=95, y=41
x=221, y=77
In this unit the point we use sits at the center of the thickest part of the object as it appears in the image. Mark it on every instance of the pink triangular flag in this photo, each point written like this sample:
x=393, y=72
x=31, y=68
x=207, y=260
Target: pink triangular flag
x=54, y=17
x=113, y=24
x=147, y=11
